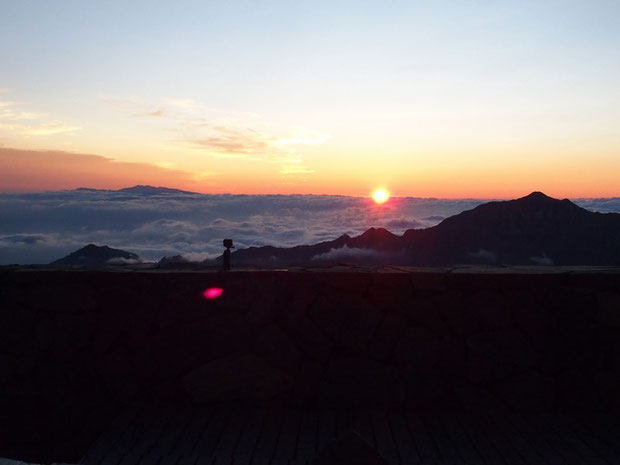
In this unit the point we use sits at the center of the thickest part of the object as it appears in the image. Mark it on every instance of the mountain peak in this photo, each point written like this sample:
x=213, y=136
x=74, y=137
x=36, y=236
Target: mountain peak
x=536, y=195
x=539, y=200
x=95, y=256
x=151, y=190
x=376, y=233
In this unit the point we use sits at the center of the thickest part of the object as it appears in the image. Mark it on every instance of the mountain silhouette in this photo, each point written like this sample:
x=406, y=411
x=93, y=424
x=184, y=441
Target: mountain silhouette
x=93, y=256
x=138, y=189
x=535, y=229
x=151, y=190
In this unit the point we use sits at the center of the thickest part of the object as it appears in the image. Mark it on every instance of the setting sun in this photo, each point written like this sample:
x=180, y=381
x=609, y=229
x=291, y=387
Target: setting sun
x=380, y=196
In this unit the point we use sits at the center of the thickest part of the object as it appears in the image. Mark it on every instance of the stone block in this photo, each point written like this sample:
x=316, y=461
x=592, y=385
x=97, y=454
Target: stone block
x=307, y=383
x=307, y=336
x=360, y=383
x=275, y=346
x=417, y=348
x=528, y=392
x=490, y=309
x=242, y=378
x=609, y=308
x=388, y=332
x=497, y=355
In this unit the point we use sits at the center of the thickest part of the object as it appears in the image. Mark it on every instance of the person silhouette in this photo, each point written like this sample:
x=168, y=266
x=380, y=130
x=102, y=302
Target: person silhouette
x=228, y=243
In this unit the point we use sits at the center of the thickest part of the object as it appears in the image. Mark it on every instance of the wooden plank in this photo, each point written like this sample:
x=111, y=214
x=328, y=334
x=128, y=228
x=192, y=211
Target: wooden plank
x=223, y=461
x=195, y=428
x=287, y=441
x=425, y=446
x=131, y=459
x=113, y=457
x=249, y=438
x=101, y=447
x=268, y=440
x=150, y=459
x=447, y=450
x=175, y=427
x=572, y=441
x=307, y=441
x=230, y=436
x=499, y=437
x=530, y=426
x=405, y=444
x=187, y=460
x=150, y=435
x=602, y=428
x=261, y=461
x=209, y=439
x=518, y=436
x=383, y=436
x=345, y=422
x=169, y=460
x=596, y=444
x=485, y=448
x=539, y=442
x=123, y=439
x=460, y=438
x=204, y=460
x=327, y=428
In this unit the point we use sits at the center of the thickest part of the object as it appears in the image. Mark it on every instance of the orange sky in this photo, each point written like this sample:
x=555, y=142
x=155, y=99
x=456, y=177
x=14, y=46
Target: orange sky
x=32, y=170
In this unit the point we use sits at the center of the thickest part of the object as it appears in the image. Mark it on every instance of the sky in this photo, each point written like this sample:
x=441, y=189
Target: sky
x=460, y=99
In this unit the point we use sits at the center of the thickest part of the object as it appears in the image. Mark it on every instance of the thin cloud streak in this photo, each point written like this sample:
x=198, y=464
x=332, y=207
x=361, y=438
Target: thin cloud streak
x=14, y=119
x=223, y=134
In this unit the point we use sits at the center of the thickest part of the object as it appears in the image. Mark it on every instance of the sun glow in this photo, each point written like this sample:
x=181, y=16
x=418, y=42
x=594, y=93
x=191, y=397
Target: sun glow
x=380, y=196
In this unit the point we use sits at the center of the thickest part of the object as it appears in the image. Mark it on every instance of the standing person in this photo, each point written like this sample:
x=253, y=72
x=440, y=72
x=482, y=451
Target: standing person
x=228, y=243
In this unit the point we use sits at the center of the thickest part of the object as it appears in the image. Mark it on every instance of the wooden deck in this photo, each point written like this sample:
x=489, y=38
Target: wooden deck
x=229, y=435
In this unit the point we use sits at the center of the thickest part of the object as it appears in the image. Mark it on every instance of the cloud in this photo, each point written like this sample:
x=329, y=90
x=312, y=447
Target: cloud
x=296, y=170
x=41, y=227
x=237, y=142
x=347, y=254
x=543, y=260
x=123, y=261
x=15, y=119
x=137, y=108
x=224, y=134
x=484, y=256
x=24, y=239
x=48, y=129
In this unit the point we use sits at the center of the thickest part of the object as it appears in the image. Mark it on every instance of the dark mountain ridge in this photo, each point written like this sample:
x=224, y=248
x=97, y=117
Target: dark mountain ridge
x=138, y=189
x=93, y=256
x=535, y=229
x=151, y=190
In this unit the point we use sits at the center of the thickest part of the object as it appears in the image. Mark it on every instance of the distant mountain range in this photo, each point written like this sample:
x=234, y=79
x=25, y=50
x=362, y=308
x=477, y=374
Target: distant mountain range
x=93, y=256
x=139, y=189
x=533, y=230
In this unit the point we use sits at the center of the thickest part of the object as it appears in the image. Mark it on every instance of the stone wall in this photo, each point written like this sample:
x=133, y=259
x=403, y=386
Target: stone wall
x=78, y=347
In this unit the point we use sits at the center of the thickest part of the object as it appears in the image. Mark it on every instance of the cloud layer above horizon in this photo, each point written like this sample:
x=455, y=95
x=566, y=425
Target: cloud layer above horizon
x=42, y=227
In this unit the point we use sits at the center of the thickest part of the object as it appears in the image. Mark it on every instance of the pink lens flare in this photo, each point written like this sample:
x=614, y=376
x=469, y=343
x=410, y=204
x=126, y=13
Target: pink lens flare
x=212, y=293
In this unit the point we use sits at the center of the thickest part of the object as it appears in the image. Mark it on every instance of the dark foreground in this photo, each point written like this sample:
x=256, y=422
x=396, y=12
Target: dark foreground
x=453, y=366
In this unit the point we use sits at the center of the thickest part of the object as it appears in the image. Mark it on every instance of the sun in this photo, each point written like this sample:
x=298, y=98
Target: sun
x=380, y=196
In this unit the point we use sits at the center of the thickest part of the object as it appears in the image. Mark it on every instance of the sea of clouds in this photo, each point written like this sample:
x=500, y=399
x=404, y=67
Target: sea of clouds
x=42, y=227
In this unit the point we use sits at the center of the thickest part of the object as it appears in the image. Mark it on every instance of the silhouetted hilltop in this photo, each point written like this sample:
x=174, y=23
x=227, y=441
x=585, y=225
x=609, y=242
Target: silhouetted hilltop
x=93, y=256
x=151, y=190
x=535, y=229
x=138, y=189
